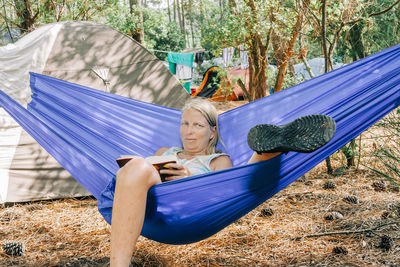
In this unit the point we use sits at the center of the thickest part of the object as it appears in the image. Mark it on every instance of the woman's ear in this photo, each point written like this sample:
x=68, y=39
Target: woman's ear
x=213, y=131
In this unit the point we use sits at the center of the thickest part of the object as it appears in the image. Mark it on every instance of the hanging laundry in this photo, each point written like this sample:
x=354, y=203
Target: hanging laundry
x=244, y=58
x=227, y=55
x=181, y=64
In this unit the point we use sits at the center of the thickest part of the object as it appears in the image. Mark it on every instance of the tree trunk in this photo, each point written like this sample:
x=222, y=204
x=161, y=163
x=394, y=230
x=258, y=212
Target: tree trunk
x=327, y=64
x=6, y=21
x=138, y=33
x=257, y=60
x=303, y=57
x=200, y=19
x=25, y=11
x=221, y=8
x=358, y=49
x=169, y=12
x=233, y=6
x=174, y=10
x=190, y=13
x=257, y=68
x=178, y=13
x=323, y=36
x=183, y=19
x=288, y=50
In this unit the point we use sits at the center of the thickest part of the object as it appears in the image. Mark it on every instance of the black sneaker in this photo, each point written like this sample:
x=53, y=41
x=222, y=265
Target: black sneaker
x=305, y=134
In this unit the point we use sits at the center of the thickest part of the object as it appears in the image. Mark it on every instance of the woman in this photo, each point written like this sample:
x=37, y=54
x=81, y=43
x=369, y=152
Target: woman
x=199, y=137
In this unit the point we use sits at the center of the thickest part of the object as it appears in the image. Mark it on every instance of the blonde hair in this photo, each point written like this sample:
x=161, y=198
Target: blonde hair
x=210, y=114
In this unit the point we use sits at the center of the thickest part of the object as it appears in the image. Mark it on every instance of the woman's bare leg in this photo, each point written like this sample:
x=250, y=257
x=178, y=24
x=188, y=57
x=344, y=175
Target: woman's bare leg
x=263, y=156
x=133, y=182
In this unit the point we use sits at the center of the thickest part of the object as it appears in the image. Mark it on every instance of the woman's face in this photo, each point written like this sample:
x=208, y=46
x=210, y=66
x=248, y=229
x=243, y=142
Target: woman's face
x=195, y=132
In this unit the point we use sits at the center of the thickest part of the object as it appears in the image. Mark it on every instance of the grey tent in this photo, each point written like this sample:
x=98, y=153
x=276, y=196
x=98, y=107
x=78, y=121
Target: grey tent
x=86, y=53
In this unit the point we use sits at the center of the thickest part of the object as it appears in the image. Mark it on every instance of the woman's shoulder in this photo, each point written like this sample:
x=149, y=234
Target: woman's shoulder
x=220, y=161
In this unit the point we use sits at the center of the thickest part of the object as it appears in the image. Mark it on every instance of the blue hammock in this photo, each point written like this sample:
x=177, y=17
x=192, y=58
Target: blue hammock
x=86, y=130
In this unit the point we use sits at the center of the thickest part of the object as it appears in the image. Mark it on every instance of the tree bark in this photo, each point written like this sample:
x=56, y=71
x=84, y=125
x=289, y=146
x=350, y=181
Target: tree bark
x=174, y=10
x=183, y=19
x=57, y=8
x=178, y=13
x=138, y=33
x=169, y=12
x=323, y=36
x=257, y=60
x=327, y=64
x=358, y=49
x=303, y=57
x=190, y=13
x=258, y=68
x=25, y=11
x=288, y=50
x=233, y=6
x=6, y=21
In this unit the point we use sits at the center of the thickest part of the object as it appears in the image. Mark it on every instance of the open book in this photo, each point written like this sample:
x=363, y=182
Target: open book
x=159, y=162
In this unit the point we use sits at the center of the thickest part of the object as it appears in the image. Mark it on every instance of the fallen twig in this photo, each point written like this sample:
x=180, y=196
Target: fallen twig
x=349, y=232
x=296, y=193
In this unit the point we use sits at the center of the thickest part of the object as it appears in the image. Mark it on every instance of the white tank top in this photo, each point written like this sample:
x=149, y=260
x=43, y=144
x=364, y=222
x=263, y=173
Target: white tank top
x=196, y=165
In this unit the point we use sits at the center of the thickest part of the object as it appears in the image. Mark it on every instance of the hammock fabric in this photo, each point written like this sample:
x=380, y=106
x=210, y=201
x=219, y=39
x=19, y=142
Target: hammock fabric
x=86, y=130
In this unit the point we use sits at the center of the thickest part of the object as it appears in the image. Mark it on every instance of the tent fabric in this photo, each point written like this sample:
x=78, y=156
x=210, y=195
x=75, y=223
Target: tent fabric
x=212, y=87
x=86, y=130
x=87, y=53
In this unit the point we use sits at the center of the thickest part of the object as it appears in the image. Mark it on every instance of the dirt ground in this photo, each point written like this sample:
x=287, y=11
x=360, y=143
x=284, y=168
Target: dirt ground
x=350, y=218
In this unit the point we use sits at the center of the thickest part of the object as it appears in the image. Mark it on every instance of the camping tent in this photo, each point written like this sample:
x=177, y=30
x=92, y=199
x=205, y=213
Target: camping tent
x=86, y=53
x=213, y=85
x=317, y=66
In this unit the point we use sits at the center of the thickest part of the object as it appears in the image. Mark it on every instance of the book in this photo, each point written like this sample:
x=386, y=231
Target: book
x=158, y=162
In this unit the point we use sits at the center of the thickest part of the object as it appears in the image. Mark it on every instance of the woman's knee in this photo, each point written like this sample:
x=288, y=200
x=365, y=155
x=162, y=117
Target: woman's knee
x=138, y=170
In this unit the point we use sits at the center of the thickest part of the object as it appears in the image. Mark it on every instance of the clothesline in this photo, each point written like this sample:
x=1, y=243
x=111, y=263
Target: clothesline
x=227, y=54
x=155, y=50
x=162, y=51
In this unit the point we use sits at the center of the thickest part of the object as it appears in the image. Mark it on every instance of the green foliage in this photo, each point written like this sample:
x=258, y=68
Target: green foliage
x=228, y=81
x=374, y=33
x=159, y=34
x=217, y=27
x=120, y=19
x=384, y=30
x=232, y=30
x=350, y=152
x=388, y=153
x=288, y=82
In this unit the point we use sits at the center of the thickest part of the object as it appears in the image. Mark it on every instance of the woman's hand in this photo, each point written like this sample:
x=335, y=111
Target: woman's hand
x=175, y=171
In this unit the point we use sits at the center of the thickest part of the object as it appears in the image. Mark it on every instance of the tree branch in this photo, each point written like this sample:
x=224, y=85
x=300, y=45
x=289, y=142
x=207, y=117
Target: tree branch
x=313, y=15
x=374, y=14
x=246, y=93
x=6, y=21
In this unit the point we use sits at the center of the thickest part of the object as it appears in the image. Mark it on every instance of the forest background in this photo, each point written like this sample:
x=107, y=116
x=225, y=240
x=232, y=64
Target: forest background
x=279, y=32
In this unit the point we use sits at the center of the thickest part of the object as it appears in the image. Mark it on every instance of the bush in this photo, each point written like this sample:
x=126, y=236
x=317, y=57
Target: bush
x=388, y=152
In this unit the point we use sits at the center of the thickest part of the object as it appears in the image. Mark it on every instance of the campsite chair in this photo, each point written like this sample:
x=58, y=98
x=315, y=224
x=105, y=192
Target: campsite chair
x=87, y=129
x=213, y=87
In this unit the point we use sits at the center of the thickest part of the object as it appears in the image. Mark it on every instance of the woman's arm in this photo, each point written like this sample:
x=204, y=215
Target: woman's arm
x=220, y=163
x=160, y=151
